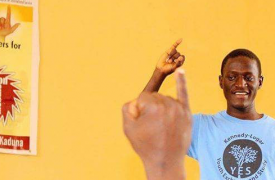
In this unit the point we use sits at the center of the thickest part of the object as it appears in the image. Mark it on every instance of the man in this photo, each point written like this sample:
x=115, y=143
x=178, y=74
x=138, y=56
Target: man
x=237, y=143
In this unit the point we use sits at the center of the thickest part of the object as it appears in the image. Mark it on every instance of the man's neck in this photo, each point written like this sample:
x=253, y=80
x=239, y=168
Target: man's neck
x=248, y=113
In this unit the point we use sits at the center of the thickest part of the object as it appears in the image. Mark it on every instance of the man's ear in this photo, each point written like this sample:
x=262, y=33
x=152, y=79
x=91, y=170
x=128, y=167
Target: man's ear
x=261, y=80
x=220, y=81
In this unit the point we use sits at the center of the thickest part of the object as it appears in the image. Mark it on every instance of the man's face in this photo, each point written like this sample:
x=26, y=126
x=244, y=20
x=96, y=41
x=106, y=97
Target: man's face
x=240, y=82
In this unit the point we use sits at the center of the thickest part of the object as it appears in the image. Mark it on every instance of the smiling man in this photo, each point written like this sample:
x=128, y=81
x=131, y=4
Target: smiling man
x=237, y=143
x=240, y=80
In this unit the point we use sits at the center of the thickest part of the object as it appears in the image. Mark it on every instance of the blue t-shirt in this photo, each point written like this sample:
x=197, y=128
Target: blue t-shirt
x=230, y=148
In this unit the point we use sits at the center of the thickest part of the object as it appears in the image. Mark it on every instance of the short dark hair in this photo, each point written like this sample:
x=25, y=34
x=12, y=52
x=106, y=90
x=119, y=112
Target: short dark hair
x=242, y=52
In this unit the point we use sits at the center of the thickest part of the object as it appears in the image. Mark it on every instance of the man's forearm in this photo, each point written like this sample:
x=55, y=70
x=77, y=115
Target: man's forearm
x=155, y=82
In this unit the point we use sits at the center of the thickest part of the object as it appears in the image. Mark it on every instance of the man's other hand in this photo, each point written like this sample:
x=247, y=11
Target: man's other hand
x=159, y=129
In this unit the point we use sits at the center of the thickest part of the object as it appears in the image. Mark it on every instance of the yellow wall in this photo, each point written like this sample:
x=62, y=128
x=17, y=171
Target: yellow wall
x=96, y=55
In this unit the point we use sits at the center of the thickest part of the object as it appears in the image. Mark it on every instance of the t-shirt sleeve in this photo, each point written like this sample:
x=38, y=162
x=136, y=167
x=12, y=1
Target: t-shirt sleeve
x=192, y=152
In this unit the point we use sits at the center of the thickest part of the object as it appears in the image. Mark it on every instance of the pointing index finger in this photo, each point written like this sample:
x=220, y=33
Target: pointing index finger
x=177, y=43
x=181, y=88
x=172, y=50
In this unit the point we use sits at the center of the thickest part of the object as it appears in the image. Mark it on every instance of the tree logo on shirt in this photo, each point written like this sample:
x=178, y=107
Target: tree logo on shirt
x=9, y=97
x=242, y=158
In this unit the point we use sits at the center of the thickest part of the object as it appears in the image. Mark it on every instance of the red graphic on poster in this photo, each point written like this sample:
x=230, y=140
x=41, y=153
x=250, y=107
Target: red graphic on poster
x=8, y=96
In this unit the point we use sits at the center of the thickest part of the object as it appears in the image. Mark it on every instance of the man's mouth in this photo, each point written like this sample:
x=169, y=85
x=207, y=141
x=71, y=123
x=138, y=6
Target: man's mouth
x=241, y=94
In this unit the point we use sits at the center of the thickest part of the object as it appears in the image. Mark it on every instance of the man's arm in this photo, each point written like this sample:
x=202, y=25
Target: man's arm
x=159, y=130
x=166, y=65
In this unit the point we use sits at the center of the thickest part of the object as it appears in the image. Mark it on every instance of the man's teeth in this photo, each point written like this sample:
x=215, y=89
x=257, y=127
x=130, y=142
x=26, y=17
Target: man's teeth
x=241, y=93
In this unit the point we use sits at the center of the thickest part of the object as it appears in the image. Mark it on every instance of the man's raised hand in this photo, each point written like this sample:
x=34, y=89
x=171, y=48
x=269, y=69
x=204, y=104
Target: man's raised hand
x=171, y=59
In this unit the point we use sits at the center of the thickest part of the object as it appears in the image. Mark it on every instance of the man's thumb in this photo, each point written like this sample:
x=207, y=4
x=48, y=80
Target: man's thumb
x=130, y=110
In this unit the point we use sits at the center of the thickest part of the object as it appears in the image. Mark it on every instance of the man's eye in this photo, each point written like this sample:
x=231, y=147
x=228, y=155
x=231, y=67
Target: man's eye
x=231, y=78
x=249, y=78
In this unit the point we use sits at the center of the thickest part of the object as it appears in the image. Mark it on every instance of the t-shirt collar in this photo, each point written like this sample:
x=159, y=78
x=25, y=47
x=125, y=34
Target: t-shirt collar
x=242, y=121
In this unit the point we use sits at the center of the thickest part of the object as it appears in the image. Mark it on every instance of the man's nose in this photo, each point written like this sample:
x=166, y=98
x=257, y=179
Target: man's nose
x=240, y=82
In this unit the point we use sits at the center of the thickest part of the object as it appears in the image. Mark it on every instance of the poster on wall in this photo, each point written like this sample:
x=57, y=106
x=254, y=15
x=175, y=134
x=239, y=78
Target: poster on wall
x=19, y=65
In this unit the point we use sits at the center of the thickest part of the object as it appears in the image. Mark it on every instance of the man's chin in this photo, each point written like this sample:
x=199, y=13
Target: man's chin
x=239, y=103
x=240, y=106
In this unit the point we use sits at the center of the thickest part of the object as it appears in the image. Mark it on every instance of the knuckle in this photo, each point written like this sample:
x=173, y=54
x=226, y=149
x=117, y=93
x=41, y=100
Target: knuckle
x=169, y=51
x=152, y=107
x=173, y=103
x=169, y=98
x=157, y=107
x=183, y=57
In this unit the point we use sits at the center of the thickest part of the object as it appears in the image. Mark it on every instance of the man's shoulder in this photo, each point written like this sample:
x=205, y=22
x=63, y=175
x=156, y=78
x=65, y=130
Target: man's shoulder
x=202, y=116
x=207, y=119
x=270, y=120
